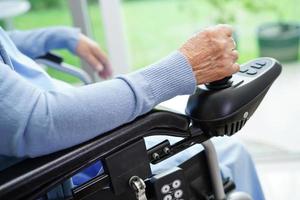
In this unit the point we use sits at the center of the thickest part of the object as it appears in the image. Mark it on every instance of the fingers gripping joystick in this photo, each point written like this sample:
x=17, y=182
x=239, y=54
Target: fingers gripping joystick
x=220, y=84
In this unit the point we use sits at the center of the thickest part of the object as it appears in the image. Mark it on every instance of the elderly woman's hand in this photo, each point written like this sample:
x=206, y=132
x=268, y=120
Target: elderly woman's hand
x=212, y=54
x=90, y=51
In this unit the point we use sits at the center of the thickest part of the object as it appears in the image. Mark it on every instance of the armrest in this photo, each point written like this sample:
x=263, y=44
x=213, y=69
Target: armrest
x=33, y=177
x=51, y=57
x=56, y=62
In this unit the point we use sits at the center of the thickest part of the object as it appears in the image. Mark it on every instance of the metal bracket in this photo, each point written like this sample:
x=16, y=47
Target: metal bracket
x=139, y=186
x=165, y=150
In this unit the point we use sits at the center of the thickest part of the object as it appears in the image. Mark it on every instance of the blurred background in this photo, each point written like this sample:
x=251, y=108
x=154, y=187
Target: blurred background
x=136, y=33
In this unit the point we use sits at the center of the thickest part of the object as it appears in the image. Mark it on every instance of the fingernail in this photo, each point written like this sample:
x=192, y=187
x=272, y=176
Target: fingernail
x=100, y=68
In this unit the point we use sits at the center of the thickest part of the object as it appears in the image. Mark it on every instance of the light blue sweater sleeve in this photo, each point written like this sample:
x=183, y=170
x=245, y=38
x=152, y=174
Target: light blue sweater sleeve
x=34, y=122
x=37, y=42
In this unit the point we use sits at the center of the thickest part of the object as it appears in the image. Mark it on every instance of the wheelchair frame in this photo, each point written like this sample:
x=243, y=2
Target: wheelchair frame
x=33, y=178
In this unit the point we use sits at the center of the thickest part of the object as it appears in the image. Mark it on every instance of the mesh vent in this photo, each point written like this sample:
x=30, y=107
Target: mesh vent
x=226, y=130
x=237, y=126
x=234, y=127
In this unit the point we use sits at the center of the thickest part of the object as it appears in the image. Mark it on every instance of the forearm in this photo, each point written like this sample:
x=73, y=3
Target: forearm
x=41, y=122
x=37, y=42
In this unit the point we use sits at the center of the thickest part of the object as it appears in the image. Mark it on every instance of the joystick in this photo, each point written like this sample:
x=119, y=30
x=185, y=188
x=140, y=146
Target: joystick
x=220, y=84
x=223, y=107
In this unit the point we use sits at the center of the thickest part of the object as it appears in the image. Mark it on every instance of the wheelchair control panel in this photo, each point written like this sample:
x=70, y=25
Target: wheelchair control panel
x=170, y=185
x=223, y=107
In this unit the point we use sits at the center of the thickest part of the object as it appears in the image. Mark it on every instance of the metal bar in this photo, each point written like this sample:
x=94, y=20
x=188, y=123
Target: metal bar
x=68, y=69
x=115, y=35
x=81, y=19
x=214, y=169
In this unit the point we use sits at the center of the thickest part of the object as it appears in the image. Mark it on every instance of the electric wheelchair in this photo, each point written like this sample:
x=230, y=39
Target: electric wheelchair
x=216, y=109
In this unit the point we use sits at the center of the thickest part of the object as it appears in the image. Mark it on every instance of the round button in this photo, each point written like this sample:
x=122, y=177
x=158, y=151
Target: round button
x=165, y=189
x=178, y=193
x=168, y=197
x=245, y=115
x=176, y=184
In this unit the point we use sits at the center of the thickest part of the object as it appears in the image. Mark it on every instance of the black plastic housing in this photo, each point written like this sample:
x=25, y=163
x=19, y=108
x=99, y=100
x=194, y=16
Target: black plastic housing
x=225, y=111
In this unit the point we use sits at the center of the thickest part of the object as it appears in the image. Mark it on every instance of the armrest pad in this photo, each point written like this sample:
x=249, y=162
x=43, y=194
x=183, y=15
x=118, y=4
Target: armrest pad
x=34, y=176
x=52, y=57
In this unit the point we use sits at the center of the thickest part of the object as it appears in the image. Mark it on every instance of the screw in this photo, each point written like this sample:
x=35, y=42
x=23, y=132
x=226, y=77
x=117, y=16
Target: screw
x=166, y=150
x=155, y=156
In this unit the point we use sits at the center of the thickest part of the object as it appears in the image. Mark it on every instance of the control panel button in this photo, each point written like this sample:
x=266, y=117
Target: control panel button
x=168, y=197
x=176, y=184
x=178, y=193
x=261, y=63
x=243, y=70
x=256, y=66
x=251, y=72
x=165, y=189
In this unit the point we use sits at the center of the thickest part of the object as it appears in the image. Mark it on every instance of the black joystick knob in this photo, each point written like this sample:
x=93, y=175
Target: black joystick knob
x=220, y=84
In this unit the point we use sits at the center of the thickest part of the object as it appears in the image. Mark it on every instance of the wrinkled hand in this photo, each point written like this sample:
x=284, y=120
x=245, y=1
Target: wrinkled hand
x=90, y=51
x=212, y=54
